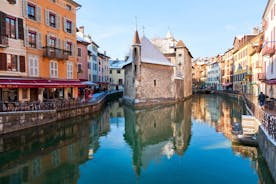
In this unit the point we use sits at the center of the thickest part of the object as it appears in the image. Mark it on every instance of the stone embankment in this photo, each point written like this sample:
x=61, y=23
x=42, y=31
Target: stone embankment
x=19, y=120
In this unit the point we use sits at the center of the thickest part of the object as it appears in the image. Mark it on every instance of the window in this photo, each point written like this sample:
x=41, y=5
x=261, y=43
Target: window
x=118, y=71
x=32, y=39
x=52, y=42
x=52, y=20
x=11, y=27
x=12, y=63
x=79, y=52
x=69, y=47
x=33, y=67
x=120, y=81
x=53, y=69
x=154, y=82
x=31, y=11
x=68, y=26
x=69, y=70
x=79, y=68
x=110, y=71
x=68, y=7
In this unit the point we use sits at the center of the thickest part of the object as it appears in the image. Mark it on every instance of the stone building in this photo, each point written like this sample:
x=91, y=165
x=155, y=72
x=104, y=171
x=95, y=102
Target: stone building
x=152, y=78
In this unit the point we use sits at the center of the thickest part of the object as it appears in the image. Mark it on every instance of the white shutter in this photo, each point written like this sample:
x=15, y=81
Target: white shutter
x=64, y=45
x=57, y=21
x=47, y=17
x=73, y=49
x=73, y=28
x=48, y=40
x=16, y=30
x=38, y=13
x=26, y=40
x=58, y=44
x=24, y=8
x=38, y=41
x=64, y=24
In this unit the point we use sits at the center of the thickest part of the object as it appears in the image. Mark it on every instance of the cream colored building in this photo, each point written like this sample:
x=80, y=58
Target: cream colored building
x=12, y=50
x=116, y=74
x=258, y=69
x=242, y=71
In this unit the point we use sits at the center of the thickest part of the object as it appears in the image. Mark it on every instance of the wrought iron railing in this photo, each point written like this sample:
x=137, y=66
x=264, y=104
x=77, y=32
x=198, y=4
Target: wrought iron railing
x=55, y=53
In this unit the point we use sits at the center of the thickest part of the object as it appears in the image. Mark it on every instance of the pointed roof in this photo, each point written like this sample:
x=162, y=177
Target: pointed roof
x=151, y=54
x=136, y=40
x=180, y=43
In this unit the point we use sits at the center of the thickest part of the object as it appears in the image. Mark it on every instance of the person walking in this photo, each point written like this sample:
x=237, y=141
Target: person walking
x=261, y=99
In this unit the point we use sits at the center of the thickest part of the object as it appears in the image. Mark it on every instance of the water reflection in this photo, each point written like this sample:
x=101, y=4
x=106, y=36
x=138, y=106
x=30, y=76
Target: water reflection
x=52, y=153
x=79, y=150
x=159, y=131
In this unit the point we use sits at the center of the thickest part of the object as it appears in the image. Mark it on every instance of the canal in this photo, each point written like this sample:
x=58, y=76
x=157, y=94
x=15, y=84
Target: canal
x=189, y=142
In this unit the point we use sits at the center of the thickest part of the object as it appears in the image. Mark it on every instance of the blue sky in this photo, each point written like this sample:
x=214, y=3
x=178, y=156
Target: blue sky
x=207, y=27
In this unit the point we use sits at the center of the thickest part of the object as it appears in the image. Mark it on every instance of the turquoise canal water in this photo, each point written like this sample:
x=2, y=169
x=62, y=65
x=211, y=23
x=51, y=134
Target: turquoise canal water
x=188, y=142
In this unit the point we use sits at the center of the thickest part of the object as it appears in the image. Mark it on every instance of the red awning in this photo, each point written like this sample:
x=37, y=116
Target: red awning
x=39, y=83
x=270, y=81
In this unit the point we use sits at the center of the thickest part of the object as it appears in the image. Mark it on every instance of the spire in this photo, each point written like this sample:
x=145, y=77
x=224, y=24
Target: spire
x=136, y=40
x=169, y=34
x=180, y=44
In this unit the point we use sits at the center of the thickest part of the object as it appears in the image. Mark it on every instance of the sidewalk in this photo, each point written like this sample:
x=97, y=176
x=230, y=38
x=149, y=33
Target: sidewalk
x=254, y=100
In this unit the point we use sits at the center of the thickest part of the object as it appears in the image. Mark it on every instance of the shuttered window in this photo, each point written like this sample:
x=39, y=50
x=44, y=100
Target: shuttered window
x=53, y=69
x=3, y=62
x=22, y=64
x=69, y=70
x=20, y=29
x=33, y=66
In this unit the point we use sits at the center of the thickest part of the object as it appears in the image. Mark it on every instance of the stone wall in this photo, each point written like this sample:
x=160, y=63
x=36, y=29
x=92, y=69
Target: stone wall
x=156, y=82
x=268, y=151
x=15, y=121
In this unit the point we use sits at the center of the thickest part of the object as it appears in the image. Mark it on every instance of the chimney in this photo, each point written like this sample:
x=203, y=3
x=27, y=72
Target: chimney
x=105, y=53
x=81, y=29
x=256, y=30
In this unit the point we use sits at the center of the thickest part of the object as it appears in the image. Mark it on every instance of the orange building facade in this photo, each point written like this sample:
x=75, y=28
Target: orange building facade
x=42, y=50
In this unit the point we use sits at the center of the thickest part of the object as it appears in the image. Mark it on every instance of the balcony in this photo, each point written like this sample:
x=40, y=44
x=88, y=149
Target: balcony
x=55, y=53
x=4, y=41
x=268, y=51
x=261, y=76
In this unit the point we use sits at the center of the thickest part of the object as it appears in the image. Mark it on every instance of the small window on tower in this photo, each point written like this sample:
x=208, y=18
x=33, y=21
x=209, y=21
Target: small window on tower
x=154, y=82
x=135, y=69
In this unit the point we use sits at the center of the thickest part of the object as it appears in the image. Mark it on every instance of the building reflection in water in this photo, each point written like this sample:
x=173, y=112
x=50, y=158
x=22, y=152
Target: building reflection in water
x=220, y=112
x=155, y=132
x=52, y=153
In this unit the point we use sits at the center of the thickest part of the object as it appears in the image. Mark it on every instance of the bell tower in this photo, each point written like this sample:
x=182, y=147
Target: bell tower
x=136, y=55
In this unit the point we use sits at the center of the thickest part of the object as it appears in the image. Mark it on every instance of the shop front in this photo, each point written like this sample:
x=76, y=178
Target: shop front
x=20, y=90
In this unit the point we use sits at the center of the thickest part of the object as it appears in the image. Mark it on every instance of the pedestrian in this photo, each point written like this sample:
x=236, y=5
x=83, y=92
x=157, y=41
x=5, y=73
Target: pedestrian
x=261, y=99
